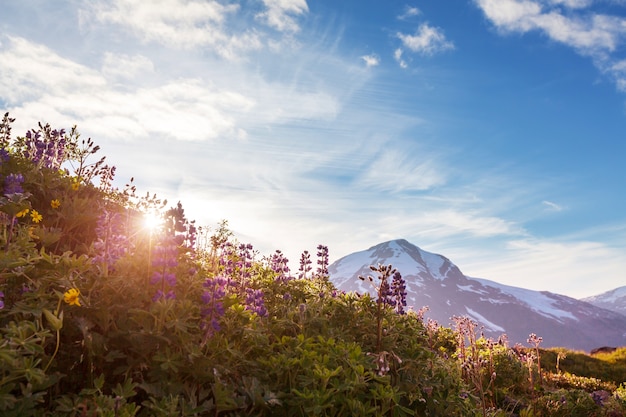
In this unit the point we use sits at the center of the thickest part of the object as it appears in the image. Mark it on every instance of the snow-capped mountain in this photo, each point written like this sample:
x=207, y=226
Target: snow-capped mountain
x=433, y=281
x=614, y=300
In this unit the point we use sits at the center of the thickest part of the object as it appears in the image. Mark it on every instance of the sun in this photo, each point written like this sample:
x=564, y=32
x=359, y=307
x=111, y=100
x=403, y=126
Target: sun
x=152, y=221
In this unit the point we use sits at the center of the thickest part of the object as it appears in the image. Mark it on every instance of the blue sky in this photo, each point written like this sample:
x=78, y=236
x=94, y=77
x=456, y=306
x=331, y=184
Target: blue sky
x=490, y=131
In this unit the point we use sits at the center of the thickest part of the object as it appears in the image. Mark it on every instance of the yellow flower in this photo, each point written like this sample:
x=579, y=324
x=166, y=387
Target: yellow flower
x=55, y=204
x=35, y=216
x=71, y=297
x=22, y=213
x=75, y=185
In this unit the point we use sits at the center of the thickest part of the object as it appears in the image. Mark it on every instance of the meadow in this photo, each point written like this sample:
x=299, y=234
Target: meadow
x=104, y=313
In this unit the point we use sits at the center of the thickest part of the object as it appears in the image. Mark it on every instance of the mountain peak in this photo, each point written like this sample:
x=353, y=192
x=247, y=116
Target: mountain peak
x=416, y=265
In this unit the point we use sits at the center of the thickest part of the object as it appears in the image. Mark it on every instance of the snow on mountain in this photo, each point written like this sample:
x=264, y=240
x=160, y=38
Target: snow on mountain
x=433, y=280
x=544, y=303
x=614, y=300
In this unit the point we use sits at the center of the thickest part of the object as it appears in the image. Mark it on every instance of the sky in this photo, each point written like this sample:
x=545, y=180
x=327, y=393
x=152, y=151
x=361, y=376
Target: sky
x=489, y=131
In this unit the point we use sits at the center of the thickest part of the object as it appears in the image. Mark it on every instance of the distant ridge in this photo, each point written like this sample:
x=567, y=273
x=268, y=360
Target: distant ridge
x=433, y=280
x=614, y=300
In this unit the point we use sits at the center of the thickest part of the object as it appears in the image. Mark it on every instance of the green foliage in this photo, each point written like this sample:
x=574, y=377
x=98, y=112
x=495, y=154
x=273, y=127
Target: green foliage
x=102, y=316
x=604, y=366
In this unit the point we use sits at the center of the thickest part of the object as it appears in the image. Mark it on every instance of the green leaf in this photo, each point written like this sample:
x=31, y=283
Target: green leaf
x=55, y=322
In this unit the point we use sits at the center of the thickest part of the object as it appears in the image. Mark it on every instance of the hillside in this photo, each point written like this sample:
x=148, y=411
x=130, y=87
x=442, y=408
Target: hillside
x=433, y=280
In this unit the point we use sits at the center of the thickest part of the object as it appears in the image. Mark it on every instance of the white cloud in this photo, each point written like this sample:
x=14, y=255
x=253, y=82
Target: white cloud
x=280, y=14
x=395, y=170
x=34, y=78
x=397, y=55
x=409, y=11
x=125, y=67
x=551, y=265
x=573, y=4
x=427, y=40
x=175, y=23
x=550, y=206
x=371, y=60
x=27, y=70
x=591, y=34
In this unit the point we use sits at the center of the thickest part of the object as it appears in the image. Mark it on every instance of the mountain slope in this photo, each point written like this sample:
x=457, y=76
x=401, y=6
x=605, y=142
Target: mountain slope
x=614, y=300
x=433, y=280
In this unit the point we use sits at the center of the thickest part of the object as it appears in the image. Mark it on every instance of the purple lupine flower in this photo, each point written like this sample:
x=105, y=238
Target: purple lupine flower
x=305, y=264
x=5, y=130
x=245, y=257
x=160, y=295
x=383, y=290
x=255, y=302
x=398, y=292
x=213, y=305
x=4, y=156
x=164, y=261
x=46, y=146
x=1, y=300
x=177, y=225
x=111, y=242
x=13, y=184
x=322, y=261
x=384, y=294
x=225, y=262
x=278, y=264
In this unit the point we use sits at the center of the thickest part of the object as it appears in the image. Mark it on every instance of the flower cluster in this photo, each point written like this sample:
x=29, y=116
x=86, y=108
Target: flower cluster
x=398, y=292
x=278, y=263
x=164, y=262
x=243, y=265
x=1, y=300
x=45, y=147
x=322, y=261
x=255, y=302
x=111, y=242
x=212, y=300
x=13, y=184
x=305, y=264
x=177, y=224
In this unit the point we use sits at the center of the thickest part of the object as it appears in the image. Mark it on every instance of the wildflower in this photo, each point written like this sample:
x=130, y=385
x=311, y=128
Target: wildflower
x=35, y=216
x=212, y=299
x=112, y=242
x=71, y=297
x=255, y=302
x=305, y=264
x=398, y=292
x=13, y=184
x=164, y=263
x=1, y=300
x=22, y=213
x=278, y=264
x=55, y=204
x=75, y=185
x=322, y=261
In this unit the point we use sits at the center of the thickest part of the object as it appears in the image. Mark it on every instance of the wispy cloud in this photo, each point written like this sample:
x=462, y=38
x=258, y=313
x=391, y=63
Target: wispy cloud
x=591, y=34
x=280, y=14
x=539, y=264
x=574, y=4
x=409, y=11
x=427, y=40
x=125, y=67
x=398, y=170
x=176, y=23
x=371, y=60
x=550, y=206
x=397, y=55
x=192, y=24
